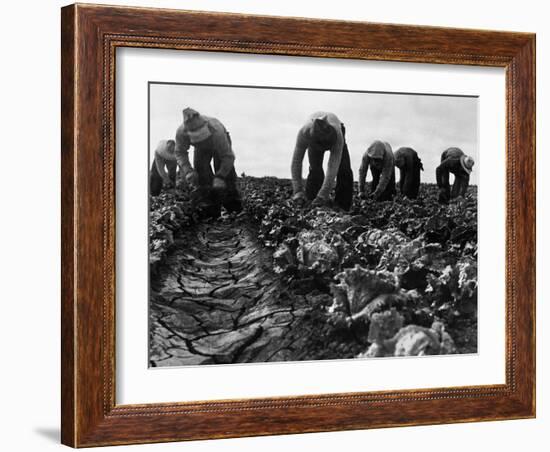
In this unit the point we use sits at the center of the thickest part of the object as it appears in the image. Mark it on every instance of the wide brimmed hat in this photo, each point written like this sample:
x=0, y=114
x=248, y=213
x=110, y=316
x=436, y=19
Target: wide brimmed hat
x=467, y=163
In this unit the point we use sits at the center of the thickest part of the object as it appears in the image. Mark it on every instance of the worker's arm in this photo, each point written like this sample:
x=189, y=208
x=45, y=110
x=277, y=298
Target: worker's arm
x=332, y=167
x=302, y=143
x=385, y=177
x=182, y=151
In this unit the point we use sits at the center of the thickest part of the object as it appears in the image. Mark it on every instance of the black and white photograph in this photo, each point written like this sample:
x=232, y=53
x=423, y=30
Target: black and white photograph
x=250, y=226
x=291, y=224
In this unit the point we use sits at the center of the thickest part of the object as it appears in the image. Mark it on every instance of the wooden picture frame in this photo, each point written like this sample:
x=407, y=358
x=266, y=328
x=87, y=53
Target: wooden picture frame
x=90, y=35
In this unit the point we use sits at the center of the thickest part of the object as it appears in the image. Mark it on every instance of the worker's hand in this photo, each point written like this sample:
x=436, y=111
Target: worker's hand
x=375, y=195
x=362, y=193
x=192, y=178
x=167, y=183
x=219, y=183
x=458, y=200
x=299, y=198
x=320, y=202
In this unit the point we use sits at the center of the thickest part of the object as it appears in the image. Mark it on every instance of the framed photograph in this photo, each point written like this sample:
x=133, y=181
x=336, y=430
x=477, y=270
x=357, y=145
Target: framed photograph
x=281, y=225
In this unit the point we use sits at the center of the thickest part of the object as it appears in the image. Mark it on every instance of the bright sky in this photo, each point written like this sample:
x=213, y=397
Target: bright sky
x=263, y=122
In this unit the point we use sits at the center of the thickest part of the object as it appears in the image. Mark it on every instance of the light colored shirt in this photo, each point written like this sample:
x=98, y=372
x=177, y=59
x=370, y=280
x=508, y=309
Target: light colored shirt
x=218, y=140
x=163, y=153
x=306, y=140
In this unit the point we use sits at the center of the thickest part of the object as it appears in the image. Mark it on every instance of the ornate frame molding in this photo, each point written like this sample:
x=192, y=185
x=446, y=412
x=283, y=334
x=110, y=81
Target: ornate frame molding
x=90, y=37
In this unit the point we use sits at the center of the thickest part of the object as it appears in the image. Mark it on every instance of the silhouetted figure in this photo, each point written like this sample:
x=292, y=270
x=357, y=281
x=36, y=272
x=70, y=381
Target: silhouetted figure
x=165, y=159
x=406, y=159
x=454, y=161
x=379, y=157
x=323, y=131
x=212, y=143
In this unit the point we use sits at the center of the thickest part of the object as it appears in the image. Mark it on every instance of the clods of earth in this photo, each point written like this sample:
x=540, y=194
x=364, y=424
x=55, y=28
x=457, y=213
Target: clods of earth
x=282, y=283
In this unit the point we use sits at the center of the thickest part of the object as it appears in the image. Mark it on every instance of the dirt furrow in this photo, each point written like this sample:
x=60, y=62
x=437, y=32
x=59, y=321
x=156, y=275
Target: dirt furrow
x=217, y=299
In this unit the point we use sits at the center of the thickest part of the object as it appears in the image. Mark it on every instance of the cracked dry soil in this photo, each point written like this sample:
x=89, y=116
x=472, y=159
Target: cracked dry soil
x=217, y=300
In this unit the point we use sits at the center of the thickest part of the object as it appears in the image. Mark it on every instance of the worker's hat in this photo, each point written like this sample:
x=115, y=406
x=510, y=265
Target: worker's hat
x=467, y=163
x=377, y=150
x=196, y=126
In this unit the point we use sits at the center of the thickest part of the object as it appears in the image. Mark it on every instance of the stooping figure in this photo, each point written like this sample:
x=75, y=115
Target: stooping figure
x=410, y=165
x=323, y=131
x=211, y=143
x=379, y=157
x=165, y=159
x=454, y=161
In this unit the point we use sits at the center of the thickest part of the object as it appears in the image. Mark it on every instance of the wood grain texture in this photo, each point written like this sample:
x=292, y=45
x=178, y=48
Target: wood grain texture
x=67, y=226
x=90, y=36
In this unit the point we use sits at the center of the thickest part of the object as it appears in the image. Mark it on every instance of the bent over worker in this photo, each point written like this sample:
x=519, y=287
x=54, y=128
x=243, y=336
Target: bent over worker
x=379, y=157
x=323, y=131
x=410, y=165
x=211, y=143
x=454, y=161
x=165, y=159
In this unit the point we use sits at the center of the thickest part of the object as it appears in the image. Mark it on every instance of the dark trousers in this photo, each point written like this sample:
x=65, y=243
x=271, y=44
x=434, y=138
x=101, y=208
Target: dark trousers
x=460, y=185
x=212, y=200
x=156, y=182
x=409, y=177
x=344, y=179
x=389, y=192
